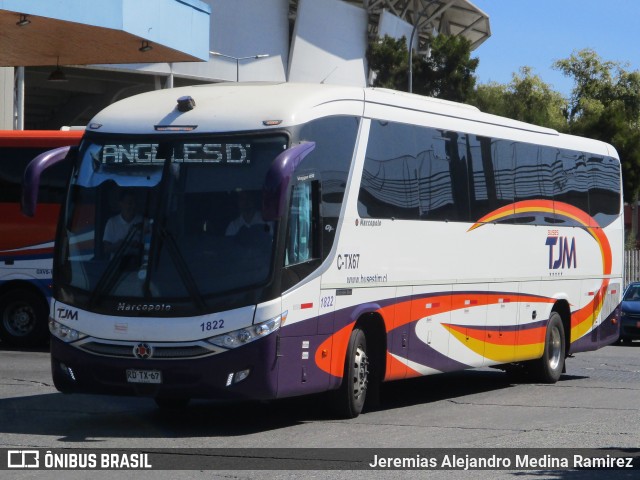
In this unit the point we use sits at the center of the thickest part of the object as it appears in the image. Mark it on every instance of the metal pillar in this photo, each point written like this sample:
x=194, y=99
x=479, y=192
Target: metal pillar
x=18, y=99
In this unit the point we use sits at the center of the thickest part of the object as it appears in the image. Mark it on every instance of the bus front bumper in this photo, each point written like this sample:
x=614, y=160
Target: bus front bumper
x=247, y=372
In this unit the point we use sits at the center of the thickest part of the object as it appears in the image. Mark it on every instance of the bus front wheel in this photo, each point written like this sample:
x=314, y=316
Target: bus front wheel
x=349, y=398
x=23, y=318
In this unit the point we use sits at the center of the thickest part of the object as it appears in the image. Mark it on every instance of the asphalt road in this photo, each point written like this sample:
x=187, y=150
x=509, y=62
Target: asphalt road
x=595, y=405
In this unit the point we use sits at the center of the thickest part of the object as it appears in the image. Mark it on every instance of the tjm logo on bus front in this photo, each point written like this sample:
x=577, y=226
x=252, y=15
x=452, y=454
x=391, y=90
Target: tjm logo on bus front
x=67, y=314
x=562, y=251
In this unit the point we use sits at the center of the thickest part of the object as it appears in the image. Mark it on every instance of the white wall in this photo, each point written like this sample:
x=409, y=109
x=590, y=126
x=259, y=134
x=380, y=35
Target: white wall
x=6, y=98
x=395, y=27
x=243, y=28
x=329, y=43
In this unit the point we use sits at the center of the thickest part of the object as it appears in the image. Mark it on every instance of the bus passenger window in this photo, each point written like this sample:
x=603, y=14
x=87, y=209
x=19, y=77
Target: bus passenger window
x=299, y=235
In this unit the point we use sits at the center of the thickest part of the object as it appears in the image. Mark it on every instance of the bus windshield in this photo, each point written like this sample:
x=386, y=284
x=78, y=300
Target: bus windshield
x=175, y=219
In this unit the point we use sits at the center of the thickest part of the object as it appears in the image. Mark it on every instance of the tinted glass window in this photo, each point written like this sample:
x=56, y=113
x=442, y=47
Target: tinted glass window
x=604, y=194
x=479, y=179
x=527, y=184
x=574, y=185
x=434, y=177
x=13, y=161
x=299, y=235
x=389, y=187
x=201, y=212
x=335, y=139
x=632, y=293
x=503, y=163
x=458, y=157
x=454, y=176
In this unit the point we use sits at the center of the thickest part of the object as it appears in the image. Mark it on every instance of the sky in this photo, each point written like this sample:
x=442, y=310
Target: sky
x=536, y=33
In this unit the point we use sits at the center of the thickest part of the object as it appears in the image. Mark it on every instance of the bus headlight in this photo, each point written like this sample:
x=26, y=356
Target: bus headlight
x=64, y=333
x=247, y=335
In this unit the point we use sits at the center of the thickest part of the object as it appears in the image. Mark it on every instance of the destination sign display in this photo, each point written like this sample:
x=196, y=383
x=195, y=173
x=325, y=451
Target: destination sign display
x=152, y=153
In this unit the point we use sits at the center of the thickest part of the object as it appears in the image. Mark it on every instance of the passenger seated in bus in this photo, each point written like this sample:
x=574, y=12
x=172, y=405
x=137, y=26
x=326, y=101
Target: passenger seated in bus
x=119, y=225
x=249, y=215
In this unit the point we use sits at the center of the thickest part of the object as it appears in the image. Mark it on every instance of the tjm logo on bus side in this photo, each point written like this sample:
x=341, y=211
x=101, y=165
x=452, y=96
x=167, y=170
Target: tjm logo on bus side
x=562, y=251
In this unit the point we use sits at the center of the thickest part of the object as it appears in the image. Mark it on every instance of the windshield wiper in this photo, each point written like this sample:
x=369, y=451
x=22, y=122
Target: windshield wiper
x=182, y=268
x=108, y=278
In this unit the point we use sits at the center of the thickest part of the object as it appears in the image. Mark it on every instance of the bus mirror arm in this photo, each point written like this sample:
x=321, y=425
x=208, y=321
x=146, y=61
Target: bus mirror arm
x=32, y=175
x=276, y=184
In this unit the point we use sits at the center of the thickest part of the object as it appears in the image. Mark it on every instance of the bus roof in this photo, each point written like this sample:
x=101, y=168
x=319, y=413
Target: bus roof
x=232, y=107
x=225, y=107
x=39, y=138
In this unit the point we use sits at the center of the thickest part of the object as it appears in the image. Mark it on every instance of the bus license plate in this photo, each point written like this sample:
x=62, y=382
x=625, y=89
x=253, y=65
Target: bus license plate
x=144, y=376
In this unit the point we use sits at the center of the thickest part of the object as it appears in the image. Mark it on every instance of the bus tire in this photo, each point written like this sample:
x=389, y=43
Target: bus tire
x=23, y=318
x=349, y=398
x=549, y=368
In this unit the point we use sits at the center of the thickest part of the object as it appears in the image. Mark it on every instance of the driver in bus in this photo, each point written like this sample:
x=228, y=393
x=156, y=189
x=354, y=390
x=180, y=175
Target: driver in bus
x=249, y=215
x=119, y=225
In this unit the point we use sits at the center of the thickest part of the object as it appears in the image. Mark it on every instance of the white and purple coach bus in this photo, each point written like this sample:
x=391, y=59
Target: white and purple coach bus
x=288, y=239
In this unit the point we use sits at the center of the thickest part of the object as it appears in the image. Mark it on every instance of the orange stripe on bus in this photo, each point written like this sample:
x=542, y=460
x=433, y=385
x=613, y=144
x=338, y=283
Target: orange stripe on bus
x=337, y=344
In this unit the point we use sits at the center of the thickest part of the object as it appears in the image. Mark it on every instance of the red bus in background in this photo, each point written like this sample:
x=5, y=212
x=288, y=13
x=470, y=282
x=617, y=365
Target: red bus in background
x=26, y=244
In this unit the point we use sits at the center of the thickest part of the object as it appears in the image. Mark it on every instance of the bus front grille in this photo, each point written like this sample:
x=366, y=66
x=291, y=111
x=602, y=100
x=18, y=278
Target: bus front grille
x=158, y=351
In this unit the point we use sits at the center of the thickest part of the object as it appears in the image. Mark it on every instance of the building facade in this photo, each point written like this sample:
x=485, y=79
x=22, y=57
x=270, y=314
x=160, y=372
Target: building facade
x=318, y=41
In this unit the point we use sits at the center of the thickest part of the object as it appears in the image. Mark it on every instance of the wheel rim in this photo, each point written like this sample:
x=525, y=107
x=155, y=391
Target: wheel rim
x=360, y=373
x=19, y=319
x=555, y=348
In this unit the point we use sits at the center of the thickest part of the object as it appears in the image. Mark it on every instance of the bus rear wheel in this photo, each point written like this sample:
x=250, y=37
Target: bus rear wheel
x=23, y=318
x=549, y=368
x=349, y=398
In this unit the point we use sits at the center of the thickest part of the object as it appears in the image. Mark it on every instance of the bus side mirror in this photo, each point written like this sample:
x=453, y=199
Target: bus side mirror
x=276, y=184
x=33, y=173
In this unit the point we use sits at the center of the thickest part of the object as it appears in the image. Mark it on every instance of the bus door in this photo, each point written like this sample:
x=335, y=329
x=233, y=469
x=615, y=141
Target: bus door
x=299, y=340
x=309, y=310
